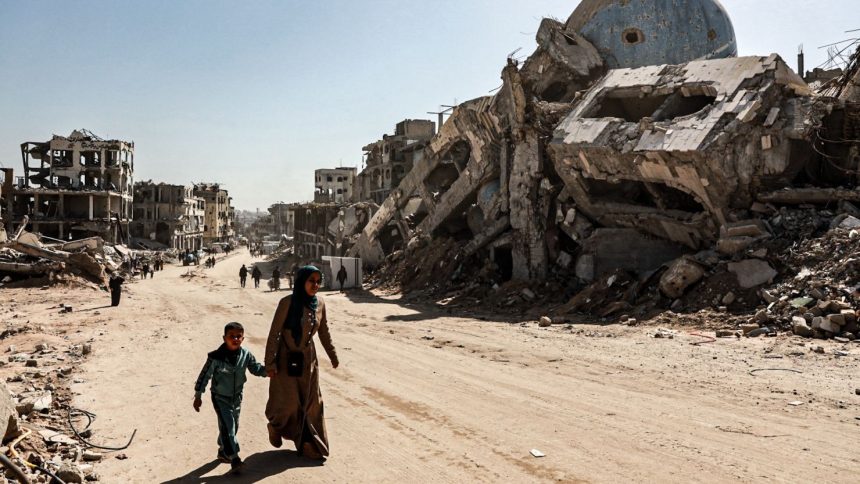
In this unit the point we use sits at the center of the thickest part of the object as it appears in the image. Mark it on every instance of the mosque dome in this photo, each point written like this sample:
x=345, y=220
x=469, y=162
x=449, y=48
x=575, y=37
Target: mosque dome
x=636, y=33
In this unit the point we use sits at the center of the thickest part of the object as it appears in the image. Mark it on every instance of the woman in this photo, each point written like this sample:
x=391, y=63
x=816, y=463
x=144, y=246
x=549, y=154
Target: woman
x=295, y=406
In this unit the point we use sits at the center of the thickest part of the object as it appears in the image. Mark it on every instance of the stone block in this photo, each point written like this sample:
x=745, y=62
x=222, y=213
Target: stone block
x=829, y=326
x=733, y=245
x=8, y=414
x=681, y=274
x=837, y=319
x=800, y=328
x=752, y=272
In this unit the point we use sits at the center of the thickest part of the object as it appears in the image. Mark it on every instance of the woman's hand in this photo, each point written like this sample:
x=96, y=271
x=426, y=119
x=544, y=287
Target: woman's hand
x=335, y=363
x=197, y=403
x=271, y=373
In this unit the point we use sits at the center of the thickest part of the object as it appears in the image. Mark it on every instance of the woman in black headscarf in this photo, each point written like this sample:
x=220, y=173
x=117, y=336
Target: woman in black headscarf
x=295, y=406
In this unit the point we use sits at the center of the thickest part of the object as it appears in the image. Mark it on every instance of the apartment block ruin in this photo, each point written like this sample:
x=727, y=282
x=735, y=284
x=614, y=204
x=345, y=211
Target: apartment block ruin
x=167, y=216
x=334, y=185
x=219, y=212
x=387, y=161
x=74, y=187
x=329, y=229
x=631, y=136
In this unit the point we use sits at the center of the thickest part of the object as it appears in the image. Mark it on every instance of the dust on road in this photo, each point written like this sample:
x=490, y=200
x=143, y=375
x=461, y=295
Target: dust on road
x=425, y=396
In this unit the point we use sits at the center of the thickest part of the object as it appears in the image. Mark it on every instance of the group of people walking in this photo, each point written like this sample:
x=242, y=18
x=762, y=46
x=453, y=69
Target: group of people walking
x=294, y=410
x=256, y=275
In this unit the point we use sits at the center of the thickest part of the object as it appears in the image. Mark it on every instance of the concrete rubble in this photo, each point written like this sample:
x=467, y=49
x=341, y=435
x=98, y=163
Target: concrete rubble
x=660, y=182
x=36, y=402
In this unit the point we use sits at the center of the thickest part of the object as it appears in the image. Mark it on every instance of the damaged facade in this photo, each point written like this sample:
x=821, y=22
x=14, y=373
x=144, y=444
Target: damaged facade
x=219, y=213
x=388, y=160
x=168, y=215
x=632, y=137
x=75, y=186
x=334, y=185
x=328, y=229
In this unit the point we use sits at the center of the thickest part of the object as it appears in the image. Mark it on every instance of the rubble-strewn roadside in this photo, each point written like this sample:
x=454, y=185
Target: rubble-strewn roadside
x=46, y=334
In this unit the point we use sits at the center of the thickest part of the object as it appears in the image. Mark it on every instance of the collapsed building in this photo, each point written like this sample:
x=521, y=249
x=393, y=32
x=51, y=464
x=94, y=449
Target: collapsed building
x=167, y=216
x=631, y=137
x=75, y=187
x=328, y=229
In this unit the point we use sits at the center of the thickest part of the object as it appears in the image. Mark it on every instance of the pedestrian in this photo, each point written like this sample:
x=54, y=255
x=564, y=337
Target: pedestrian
x=226, y=367
x=144, y=270
x=295, y=406
x=115, y=286
x=276, y=279
x=341, y=276
x=256, y=275
x=243, y=275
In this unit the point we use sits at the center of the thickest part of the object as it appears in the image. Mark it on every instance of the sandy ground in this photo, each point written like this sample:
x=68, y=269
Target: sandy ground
x=424, y=396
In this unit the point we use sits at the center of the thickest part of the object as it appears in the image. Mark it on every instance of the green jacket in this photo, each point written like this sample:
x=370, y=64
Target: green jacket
x=228, y=379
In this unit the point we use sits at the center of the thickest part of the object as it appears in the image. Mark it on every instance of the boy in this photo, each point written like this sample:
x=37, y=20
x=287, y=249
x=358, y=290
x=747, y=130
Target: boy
x=226, y=366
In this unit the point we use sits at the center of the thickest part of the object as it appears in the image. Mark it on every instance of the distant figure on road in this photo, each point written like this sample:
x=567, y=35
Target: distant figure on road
x=276, y=279
x=115, y=285
x=295, y=406
x=243, y=275
x=226, y=366
x=256, y=275
x=341, y=277
x=144, y=270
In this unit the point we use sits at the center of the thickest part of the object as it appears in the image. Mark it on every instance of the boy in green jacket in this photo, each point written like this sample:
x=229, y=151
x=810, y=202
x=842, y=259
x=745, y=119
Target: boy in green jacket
x=226, y=367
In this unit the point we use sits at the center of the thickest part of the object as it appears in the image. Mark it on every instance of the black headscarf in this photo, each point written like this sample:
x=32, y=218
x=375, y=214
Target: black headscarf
x=299, y=301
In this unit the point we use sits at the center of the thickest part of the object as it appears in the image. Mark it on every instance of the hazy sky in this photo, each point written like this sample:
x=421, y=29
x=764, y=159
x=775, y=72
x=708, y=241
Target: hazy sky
x=258, y=94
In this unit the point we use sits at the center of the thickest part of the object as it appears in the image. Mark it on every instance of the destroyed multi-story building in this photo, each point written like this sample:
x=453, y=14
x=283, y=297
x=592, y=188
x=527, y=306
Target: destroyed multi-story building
x=169, y=215
x=219, y=216
x=334, y=185
x=387, y=161
x=280, y=221
x=328, y=229
x=75, y=186
x=632, y=135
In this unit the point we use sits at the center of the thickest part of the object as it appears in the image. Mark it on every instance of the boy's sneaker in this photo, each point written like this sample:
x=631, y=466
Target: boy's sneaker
x=236, y=465
x=274, y=437
x=223, y=458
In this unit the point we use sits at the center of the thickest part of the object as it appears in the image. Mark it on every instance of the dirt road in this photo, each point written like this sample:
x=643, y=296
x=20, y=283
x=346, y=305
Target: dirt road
x=425, y=397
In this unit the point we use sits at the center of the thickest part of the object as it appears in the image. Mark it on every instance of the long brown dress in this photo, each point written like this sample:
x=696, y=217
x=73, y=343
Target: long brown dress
x=288, y=395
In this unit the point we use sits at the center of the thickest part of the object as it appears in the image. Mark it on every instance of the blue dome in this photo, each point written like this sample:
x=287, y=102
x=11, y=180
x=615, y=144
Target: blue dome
x=636, y=33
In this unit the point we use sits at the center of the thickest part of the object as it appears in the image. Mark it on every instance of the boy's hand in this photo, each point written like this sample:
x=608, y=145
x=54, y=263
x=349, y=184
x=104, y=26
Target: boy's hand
x=197, y=403
x=271, y=373
x=335, y=363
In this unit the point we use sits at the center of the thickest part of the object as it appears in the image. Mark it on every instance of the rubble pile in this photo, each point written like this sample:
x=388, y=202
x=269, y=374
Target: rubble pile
x=88, y=259
x=35, y=406
x=602, y=182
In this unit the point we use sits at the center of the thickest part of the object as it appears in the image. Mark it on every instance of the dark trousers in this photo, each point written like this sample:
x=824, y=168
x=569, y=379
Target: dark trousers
x=114, y=296
x=227, y=409
x=242, y=281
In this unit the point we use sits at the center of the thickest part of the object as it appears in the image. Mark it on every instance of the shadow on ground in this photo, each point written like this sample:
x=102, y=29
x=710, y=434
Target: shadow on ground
x=426, y=310
x=258, y=466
